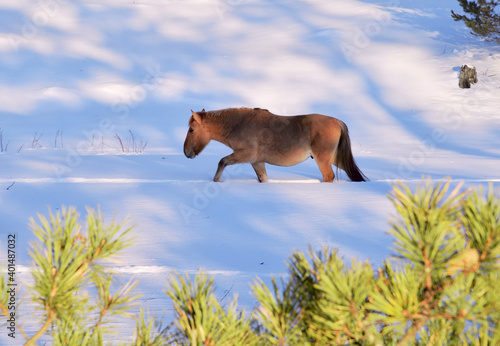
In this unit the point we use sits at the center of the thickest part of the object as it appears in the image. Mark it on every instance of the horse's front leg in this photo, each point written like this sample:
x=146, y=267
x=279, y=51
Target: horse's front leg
x=222, y=164
x=240, y=156
x=260, y=170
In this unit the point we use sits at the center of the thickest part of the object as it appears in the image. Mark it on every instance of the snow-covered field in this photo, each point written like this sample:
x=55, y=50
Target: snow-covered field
x=75, y=74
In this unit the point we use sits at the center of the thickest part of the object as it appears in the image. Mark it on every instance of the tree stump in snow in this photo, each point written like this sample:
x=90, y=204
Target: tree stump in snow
x=468, y=76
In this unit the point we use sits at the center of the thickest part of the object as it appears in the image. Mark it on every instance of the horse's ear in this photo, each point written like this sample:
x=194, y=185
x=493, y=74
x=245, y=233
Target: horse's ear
x=196, y=117
x=203, y=110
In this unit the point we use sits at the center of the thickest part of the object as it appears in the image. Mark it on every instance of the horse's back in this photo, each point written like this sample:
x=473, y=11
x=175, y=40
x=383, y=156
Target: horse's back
x=294, y=130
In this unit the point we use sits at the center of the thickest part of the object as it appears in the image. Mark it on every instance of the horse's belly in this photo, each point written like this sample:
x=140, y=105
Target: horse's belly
x=291, y=158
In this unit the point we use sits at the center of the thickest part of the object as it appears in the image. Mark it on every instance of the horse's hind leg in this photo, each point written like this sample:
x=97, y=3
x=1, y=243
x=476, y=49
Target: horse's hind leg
x=260, y=170
x=325, y=166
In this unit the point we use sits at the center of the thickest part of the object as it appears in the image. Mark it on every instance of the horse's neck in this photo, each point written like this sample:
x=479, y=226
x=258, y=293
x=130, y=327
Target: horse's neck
x=221, y=126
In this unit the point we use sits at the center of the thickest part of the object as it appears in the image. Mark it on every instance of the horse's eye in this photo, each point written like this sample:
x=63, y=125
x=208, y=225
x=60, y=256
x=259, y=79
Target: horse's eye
x=191, y=130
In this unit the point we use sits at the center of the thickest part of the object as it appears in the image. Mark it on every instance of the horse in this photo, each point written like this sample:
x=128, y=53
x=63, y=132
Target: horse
x=258, y=136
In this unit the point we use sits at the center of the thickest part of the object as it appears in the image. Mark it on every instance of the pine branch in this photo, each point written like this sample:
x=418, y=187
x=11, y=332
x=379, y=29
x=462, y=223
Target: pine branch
x=50, y=319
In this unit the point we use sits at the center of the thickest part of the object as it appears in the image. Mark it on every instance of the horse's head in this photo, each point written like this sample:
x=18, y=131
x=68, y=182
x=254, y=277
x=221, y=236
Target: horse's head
x=197, y=137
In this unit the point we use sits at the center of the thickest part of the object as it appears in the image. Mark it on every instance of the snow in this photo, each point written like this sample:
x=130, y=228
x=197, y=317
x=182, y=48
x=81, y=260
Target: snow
x=75, y=74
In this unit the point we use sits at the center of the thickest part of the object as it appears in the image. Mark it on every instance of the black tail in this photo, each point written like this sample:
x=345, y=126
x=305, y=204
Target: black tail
x=344, y=159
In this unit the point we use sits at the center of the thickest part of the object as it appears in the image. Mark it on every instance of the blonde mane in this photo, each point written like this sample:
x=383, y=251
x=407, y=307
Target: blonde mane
x=228, y=117
x=223, y=112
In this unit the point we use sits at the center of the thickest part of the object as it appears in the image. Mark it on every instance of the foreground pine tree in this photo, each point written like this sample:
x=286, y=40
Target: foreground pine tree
x=70, y=261
x=440, y=288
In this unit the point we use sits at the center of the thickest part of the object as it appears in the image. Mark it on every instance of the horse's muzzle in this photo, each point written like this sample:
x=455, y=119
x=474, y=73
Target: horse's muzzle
x=190, y=155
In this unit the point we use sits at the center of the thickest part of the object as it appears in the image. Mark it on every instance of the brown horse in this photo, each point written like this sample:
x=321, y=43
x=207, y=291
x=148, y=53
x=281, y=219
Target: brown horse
x=257, y=137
